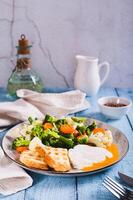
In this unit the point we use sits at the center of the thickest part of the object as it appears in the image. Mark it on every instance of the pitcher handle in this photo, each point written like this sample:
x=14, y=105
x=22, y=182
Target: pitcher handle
x=107, y=65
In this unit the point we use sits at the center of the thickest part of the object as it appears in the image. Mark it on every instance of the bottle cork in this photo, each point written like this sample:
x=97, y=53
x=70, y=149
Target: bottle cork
x=23, y=45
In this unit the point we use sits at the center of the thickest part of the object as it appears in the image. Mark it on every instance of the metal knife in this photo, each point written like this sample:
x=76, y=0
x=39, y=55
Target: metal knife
x=126, y=179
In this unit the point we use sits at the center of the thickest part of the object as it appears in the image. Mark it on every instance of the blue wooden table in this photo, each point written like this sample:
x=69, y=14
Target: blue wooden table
x=87, y=187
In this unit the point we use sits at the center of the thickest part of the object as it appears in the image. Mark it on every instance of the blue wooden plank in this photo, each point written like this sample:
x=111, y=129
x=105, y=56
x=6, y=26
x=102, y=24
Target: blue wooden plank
x=17, y=196
x=90, y=187
x=4, y=96
x=128, y=93
x=49, y=188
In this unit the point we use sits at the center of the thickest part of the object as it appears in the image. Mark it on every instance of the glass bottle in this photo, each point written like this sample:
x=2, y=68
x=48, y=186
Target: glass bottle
x=23, y=76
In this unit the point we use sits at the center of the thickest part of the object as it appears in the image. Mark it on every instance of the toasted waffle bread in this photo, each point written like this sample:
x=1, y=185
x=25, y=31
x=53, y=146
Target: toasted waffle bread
x=57, y=158
x=33, y=159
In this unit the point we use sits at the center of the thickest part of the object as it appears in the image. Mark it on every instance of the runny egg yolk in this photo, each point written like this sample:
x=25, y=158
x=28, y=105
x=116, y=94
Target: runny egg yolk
x=108, y=161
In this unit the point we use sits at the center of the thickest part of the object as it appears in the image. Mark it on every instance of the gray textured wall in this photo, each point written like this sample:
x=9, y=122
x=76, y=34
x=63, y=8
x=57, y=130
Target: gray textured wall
x=60, y=29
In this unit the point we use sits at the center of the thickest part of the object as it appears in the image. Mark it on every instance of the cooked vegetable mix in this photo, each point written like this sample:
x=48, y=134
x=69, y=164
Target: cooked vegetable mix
x=64, y=133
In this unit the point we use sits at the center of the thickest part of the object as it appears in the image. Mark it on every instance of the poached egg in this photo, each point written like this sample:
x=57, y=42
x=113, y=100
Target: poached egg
x=82, y=156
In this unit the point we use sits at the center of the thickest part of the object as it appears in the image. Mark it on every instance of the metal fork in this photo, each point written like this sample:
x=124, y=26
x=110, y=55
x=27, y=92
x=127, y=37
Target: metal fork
x=117, y=189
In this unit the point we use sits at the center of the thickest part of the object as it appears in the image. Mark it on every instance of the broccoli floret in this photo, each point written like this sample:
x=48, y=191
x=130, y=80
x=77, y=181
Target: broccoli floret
x=88, y=131
x=59, y=122
x=53, y=139
x=37, y=131
x=49, y=118
x=53, y=142
x=50, y=133
x=82, y=139
x=20, y=141
x=81, y=129
x=92, y=126
x=65, y=142
x=50, y=136
x=79, y=119
x=68, y=135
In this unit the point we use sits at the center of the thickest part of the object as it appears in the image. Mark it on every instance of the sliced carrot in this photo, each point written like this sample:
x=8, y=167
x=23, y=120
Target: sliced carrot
x=96, y=130
x=66, y=129
x=48, y=125
x=21, y=149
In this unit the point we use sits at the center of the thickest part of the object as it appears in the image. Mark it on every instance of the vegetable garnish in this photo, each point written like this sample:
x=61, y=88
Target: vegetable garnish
x=38, y=137
x=64, y=133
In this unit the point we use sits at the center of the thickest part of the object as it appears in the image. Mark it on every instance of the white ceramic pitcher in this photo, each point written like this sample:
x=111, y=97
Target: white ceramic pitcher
x=87, y=76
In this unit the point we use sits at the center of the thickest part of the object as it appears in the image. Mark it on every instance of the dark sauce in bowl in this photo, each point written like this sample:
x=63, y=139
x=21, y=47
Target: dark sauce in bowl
x=115, y=104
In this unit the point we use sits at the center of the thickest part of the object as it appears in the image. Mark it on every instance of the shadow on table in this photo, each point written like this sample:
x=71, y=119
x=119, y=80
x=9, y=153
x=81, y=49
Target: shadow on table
x=97, y=115
x=36, y=177
x=100, y=116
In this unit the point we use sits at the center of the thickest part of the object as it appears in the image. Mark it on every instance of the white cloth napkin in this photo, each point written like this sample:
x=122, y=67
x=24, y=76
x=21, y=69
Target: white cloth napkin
x=12, y=177
x=36, y=104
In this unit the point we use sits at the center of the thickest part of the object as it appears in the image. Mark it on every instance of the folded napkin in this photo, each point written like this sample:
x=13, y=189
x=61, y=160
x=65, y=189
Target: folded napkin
x=36, y=104
x=12, y=177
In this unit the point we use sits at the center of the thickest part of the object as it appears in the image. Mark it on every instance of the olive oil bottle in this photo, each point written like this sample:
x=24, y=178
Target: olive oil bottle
x=23, y=76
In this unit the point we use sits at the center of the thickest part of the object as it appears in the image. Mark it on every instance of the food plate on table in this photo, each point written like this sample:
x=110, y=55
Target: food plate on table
x=70, y=146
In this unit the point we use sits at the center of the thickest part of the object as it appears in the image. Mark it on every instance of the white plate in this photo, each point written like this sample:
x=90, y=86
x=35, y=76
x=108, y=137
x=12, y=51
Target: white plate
x=118, y=137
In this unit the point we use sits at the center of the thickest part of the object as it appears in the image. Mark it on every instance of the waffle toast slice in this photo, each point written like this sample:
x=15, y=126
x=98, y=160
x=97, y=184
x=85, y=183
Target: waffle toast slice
x=57, y=158
x=33, y=159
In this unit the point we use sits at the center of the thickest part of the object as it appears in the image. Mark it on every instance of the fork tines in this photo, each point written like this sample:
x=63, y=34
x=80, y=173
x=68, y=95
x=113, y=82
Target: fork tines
x=118, y=190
